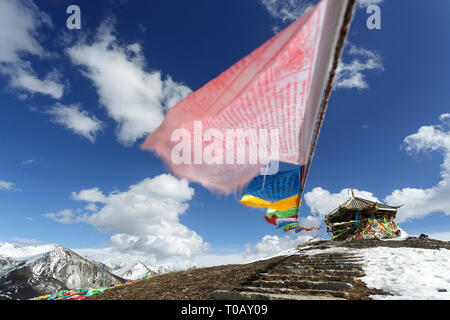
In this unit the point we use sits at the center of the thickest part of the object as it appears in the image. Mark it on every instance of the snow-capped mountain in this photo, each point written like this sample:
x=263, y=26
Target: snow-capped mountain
x=139, y=270
x=29, y=271
x=164, y=269
x=103, y=266
x=134, y=272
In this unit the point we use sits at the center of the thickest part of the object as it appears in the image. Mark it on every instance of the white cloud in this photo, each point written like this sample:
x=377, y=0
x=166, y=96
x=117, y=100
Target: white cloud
x=172, y=242
x=286, y=10
x=76, y=120
x=8, y=186
x=418, y=202
x=28, y=81
x=322, y=202
x=90, y=195
x=65, y=216
x=134, y=98
x=173, y=93
x=147, y=208
x=91, y=207
x=352, y=75
x=366, y=3
x=144, y=220
x=443, y=236
x=27, y=162
x=24, y=240
x=114, y=257
x=349, y=75
x=272, y=245
x=20, y=22
x=268, y=247
x=289, y=10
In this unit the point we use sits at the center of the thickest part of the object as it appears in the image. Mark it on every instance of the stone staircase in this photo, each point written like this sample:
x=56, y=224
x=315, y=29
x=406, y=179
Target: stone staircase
x=328, y=275
x=324, y=276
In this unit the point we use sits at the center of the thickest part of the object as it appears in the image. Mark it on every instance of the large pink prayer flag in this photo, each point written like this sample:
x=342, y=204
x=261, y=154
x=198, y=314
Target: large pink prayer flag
x=276, y=91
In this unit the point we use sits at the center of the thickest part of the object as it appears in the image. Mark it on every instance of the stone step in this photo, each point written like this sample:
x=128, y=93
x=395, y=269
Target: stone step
x=329, y=260
x=243, y=295
x=353, y=261
x=295, y=270
x=303, y=284
x=338, y=294
x=328, y=266
x=307, y=277
x=330, y=256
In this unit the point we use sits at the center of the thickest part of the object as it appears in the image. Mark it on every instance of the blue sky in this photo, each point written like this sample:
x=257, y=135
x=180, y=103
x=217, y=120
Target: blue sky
x=70, y=146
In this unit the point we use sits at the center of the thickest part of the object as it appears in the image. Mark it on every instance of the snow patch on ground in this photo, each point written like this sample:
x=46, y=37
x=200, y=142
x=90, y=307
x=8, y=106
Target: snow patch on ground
x=288, y=252
x=405, y=273
x=313, y=252
x=408, y=273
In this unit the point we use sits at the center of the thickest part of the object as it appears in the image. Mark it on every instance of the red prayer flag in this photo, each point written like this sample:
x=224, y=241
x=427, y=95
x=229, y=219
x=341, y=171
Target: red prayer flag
x=276, y=91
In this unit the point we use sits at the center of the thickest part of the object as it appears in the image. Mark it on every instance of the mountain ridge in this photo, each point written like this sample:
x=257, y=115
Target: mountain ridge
x=30, y=271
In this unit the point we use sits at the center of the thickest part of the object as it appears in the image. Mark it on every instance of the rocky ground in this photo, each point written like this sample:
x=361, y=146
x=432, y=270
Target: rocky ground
x=297, y=277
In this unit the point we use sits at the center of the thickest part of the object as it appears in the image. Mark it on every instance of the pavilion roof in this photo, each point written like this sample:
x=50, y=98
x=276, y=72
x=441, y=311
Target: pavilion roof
x=360, y=204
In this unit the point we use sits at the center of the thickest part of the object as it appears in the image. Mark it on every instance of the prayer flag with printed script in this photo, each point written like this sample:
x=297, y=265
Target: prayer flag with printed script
x=279, y=87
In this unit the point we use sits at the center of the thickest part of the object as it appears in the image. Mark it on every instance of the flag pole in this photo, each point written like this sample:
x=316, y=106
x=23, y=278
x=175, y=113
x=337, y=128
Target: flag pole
x=329, y=87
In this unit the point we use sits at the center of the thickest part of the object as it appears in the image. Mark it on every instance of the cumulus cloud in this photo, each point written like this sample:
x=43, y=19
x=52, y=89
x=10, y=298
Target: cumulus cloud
x=272, y=245
x=90, y=195
x=112, y=256
x=417, y=202
x=20, y=22
x=268, y=246
x=289, y=10
x=420, y=202
x=24, y=240
x=443, y=236
x=366, y=3
x=147, y=208
x=27, y=80
x=144, y=220
x=8, y=186
x=76, y=120
x=65, y=216
x=134, y=98
x=286, y=10
x=91, y=207
x=351, y=74
x=321, y=201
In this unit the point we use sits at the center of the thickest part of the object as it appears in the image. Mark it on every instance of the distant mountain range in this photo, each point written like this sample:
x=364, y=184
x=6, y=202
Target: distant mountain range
x=135, y=272
x=31, y=271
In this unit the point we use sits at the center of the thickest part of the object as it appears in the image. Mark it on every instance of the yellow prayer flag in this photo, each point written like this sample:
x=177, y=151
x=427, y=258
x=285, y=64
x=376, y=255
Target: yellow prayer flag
x=281, y=205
